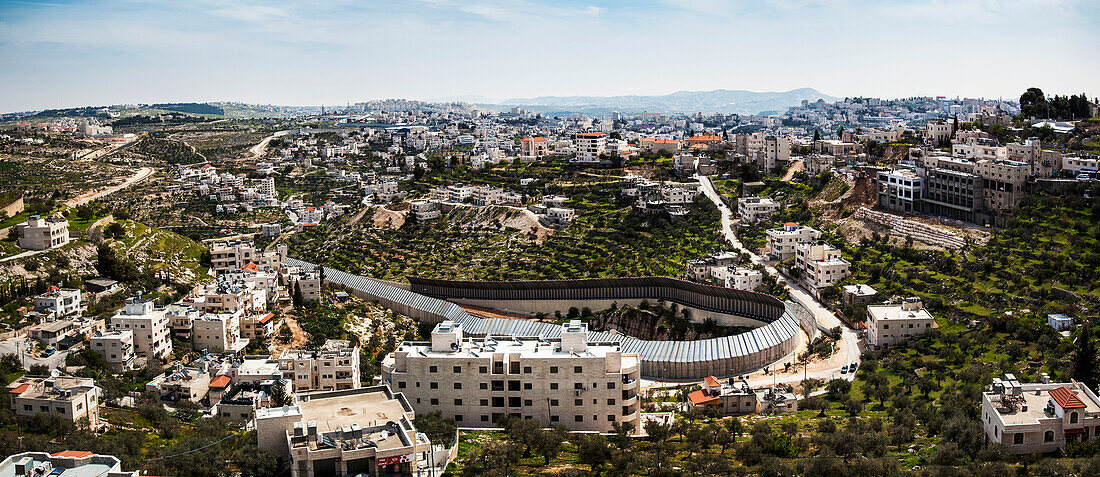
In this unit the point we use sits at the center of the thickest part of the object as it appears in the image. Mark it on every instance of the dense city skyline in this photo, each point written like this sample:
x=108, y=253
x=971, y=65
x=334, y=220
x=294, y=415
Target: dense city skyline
x=92, y=52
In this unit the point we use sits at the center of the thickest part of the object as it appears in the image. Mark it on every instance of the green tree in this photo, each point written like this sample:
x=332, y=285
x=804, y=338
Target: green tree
x=593, y=451
x=1084, y=358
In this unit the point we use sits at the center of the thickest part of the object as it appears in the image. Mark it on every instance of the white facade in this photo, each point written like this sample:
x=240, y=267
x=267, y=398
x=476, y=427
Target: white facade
x=152, y=336
x=1039, y=417
x=782, y=241
x=754, y=209
x=820, y=264
x=116, y=346
x=589, y=146
x=42, y=234
x=889, y=324
x=58, y=301
x=582, y=386
x=334, y=367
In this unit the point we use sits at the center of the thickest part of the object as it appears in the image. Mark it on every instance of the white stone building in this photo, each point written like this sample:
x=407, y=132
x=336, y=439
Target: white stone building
x=116, y=346
x=152, y=335
x=889, y=324
x=1039, y=417
x=42, y=234
x=782, y=241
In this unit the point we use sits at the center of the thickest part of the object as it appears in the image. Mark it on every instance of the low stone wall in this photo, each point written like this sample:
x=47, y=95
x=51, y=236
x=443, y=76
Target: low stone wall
x=920, y=231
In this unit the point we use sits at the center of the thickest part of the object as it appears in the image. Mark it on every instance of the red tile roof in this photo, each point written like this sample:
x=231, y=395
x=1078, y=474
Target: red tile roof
x=536, y=139
x=72, y=453
x=220, y=382
x=20, y=388
x=711, y=381
x=592, y=134
x=701, y=397
x=1066, y=398
x=267, y=318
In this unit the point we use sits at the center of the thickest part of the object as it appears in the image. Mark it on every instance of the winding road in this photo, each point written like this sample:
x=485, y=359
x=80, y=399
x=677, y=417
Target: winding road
x=848, y=347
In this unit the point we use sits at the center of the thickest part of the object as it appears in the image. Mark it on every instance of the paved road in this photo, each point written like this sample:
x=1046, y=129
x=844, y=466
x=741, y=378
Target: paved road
x=11, y=346
x=848, y=347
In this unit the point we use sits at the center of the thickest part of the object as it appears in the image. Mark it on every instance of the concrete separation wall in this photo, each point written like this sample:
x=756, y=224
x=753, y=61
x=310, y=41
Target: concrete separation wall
x=660, y=360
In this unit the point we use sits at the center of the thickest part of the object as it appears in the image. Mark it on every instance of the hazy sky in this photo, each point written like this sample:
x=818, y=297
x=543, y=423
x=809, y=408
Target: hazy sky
x=58, y=53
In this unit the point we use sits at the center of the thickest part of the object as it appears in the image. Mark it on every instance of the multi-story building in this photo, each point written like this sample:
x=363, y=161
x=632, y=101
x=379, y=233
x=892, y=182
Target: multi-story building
x=366, y=431
x=42, y=234
x=670, y=146
x=900, y=190
x=534, y=147
x=257, y=325
x=180, y=383
x=309, y=283
x=67, y=463
x=953, y=194
x=333, y=367
x=265, y=188
x=1081, y=164
x=116, y=346
x=58, y=302
x=73, y=400
x=769, y=151
x=938, y=132
x=734, y=398
x=702, y=269
x=425, y=210
x=1003, y=183
x=1041, y=417
x=181, y=316
x=782, y=241
x=582, y=386
x=218, y=332
x=820, y=265
x=232, y=256
x=889, y=324
x=589, y=146
x=744, y=279
x=754, y=209
x=152, y=336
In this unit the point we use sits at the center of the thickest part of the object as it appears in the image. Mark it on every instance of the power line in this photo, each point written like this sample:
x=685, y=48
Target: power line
x=192, y=450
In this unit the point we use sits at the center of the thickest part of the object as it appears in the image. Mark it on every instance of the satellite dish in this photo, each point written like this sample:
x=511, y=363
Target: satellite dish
x=54, y=373
x=454, y=346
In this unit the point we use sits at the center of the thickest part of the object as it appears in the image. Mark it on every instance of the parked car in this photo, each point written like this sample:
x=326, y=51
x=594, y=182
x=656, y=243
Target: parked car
x=844, y=369
x=852, y=367
x=49, y=352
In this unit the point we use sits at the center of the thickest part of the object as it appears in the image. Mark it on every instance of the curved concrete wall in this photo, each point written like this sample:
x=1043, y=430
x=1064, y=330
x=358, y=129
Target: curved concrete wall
x=661, y=360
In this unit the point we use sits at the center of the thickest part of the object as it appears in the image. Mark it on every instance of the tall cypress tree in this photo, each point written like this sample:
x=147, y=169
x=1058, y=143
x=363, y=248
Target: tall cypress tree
x=1084, y=358
x=297, y=298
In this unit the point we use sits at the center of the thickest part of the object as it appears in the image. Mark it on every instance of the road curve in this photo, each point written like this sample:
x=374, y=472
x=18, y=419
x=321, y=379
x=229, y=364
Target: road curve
x=848, y=347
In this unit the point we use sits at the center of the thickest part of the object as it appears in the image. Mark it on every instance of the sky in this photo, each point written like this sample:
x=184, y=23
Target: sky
x=58, y=53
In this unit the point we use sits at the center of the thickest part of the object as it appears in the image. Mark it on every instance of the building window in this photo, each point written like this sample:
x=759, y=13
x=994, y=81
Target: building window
x=1048, y=436
x=553, y=370
x=610, y=402
x=526, y=370
x=1018, y=438
x=1073, y=417
x=527, y=403
x=484, y=418
x=484, y=402
x=578, y=402
x=553, y=386
x=457, y=369
x=611, y=385
x=578, y=369
x=458, y=402
x=578, y=418
x=483, y=386
x=400, y=385
x=433, y=369
x=610, y=418
x=458, y=418
x=483, y=369
x=553, y=402
x=458, y=385
x=433, y=385
x=527, y=386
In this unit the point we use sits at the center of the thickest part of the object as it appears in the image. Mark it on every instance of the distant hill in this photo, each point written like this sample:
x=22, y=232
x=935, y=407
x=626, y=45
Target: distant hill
x=716, y=101
x=192, y=108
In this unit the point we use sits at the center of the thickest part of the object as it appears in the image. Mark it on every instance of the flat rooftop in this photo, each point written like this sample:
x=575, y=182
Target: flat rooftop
x=526, y=348
x=894, y=312
x=1036, y=396
x=99, y=468
x=332, y=410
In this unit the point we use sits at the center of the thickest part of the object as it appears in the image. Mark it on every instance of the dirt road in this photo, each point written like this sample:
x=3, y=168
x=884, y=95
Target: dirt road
x=139, y=176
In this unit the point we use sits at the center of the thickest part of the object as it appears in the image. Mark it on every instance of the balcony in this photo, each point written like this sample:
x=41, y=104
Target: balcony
x=630, y=401
x=630, y=383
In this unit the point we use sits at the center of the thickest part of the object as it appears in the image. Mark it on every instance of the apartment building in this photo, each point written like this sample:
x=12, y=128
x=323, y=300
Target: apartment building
x=858, y=294
x=180, y=383
x=218, y=332
x=744, y=278
x=589, y=146
x=309, y=283
x=116, y=346
x=335, y=366
x=820, y=265
x=231, y=256
x=1081, y=164
x=889, y=324
x=835, y=148
x=42, y=234
x=73, y=400
x=425, y=210
x=735, y=398
x=1039, y=417
x=702, y=269
x=257, y=325
x=58, y=302
x=782, y=241
x=953, y=194
x=152, y=336
x=365, y=431
x=180, y=319
x=754, y=209
x=938, y=132
x=900, y=190
x=769, y=151
x=1003, y=183
x=569, y=381
x=671, y=146
x=63, y=464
